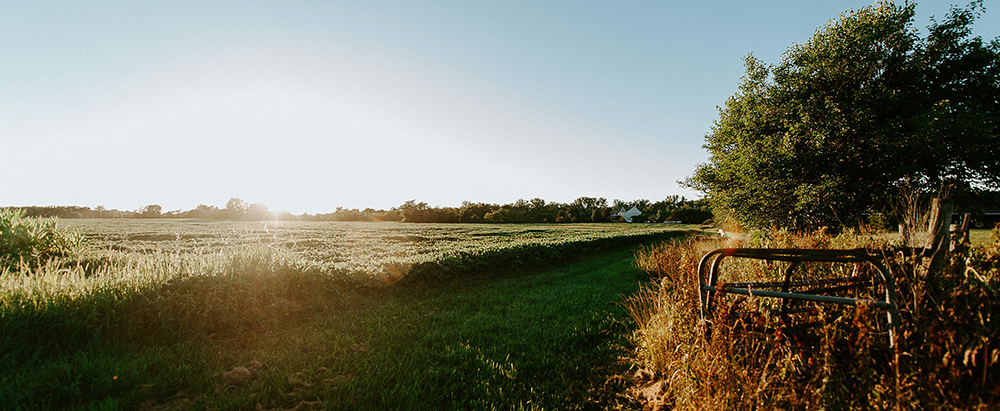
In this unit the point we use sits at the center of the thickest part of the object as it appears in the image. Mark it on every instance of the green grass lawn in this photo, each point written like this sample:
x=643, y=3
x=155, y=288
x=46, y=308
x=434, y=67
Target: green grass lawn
x=544, y=339
x=979, y=236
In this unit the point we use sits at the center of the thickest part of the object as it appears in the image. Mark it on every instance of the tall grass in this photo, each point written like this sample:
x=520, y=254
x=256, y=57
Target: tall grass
x=166, y=295
x=946, y=353
x=63, y=321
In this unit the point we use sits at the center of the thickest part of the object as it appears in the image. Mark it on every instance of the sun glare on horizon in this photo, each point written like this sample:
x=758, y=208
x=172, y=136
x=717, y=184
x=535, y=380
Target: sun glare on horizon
x=302, y=130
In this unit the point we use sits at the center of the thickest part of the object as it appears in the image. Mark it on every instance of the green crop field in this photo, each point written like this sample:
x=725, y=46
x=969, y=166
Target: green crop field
x=196, y=314
x=368, y=253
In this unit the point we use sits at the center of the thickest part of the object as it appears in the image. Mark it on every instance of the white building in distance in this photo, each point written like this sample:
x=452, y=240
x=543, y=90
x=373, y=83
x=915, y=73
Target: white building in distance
x=624, y=214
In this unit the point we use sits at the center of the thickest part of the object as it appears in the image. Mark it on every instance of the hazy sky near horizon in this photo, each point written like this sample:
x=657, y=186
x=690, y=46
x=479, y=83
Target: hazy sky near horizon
x=306, y=106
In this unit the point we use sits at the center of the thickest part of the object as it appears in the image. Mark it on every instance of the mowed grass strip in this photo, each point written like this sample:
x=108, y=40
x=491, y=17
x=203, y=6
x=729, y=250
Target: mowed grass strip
x=544, y=339
x=547, y=340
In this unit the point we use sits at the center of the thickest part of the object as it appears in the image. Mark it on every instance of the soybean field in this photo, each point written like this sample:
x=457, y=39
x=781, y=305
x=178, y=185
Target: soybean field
x=369, y=253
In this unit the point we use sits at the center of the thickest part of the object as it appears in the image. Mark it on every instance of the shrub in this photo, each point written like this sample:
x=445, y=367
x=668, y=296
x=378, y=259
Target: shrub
x=33, y=240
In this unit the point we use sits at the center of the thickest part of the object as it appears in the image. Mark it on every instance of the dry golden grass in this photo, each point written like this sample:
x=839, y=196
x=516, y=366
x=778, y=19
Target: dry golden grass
x=681, y=369
x=946, y=355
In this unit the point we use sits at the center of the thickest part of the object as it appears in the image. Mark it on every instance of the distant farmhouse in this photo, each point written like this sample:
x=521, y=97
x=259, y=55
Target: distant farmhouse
x=621, y=212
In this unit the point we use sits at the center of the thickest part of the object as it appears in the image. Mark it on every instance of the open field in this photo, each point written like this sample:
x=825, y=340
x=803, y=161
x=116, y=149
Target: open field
x=229, y=315
x=980, y=236
x=369, y=253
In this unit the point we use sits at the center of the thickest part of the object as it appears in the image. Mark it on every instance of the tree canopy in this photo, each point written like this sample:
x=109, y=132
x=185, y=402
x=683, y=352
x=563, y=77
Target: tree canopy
x=863, y=108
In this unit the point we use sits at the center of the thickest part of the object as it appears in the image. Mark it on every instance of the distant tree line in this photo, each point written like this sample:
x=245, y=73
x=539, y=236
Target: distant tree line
x=582, y=210
x=537, y=210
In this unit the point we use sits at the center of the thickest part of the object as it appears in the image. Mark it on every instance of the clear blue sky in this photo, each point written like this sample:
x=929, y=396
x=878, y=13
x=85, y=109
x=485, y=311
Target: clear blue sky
x=308, y=106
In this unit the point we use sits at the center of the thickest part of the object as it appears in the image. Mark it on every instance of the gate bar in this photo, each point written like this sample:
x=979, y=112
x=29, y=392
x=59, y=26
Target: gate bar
x=713, y=260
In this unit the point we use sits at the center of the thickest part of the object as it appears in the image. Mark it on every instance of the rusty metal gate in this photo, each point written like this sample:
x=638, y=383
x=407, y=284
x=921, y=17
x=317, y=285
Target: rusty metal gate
x=815, y=290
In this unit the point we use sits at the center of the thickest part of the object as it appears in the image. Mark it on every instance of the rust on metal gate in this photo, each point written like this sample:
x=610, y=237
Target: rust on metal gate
x=709, y=286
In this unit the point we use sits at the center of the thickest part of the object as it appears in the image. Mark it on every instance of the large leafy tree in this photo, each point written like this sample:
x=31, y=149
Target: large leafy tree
x=865, y=107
